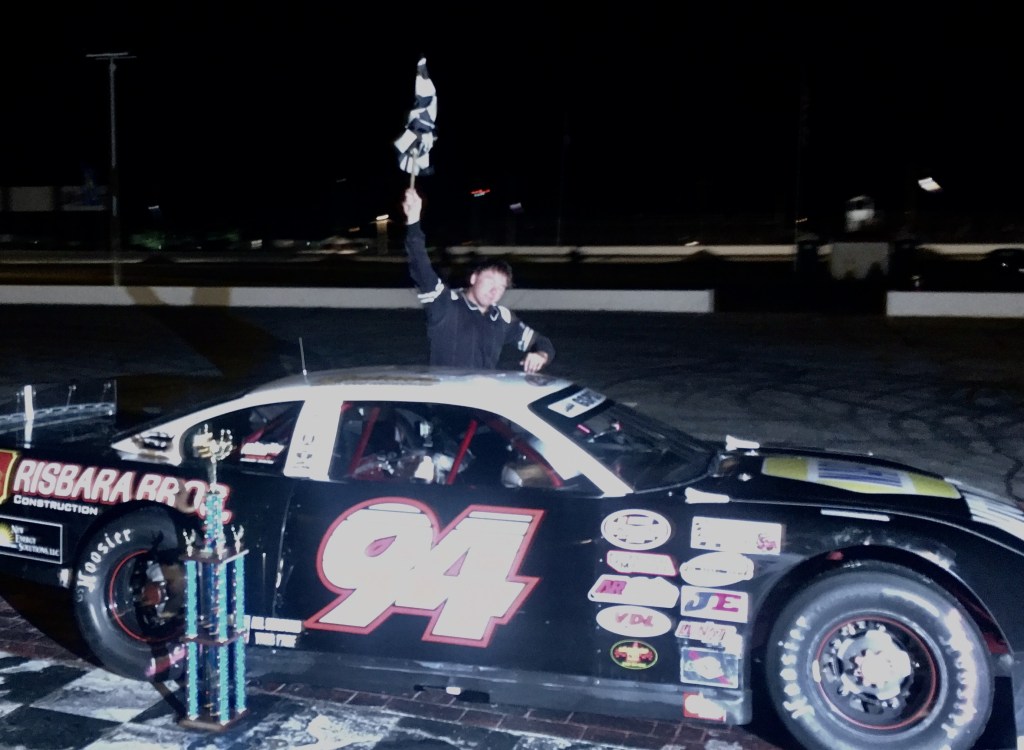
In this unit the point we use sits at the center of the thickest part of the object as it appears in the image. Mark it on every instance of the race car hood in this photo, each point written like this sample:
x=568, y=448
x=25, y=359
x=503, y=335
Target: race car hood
x=821, y=478
x=861, y=484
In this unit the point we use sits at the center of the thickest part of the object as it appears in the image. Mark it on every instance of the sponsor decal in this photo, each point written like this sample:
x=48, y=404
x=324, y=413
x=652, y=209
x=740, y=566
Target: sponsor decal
x=699, y=706
x=730, y=535
x=634, y=655
x=31, y=540
x=652, y=592
x=578, y=403
x=57, y=505
x=705, y=666
x=52, y=480
x=260, y=453
x=624, y=619
x=388, y=556
x=714, y=604
x=717, y=569
x=273, y=631
x=7, y=459
x=648, y=563
x=695, y=496
x=857, y=477
x=711, y=634
x=636, y=529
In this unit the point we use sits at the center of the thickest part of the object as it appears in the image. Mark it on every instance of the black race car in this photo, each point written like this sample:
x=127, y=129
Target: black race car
x=530, y=539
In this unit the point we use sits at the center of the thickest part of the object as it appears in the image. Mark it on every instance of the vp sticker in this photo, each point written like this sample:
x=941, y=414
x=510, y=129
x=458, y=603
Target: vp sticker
x=634, y=621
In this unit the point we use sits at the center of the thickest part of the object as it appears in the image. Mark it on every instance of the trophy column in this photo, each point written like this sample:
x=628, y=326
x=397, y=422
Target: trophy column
x=214, y=607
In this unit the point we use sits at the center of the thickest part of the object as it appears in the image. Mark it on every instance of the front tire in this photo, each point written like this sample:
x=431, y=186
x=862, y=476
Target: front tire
x=878, y=657
x=129, y=596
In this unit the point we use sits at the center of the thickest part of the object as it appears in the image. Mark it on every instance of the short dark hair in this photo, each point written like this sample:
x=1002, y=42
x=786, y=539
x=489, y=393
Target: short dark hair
x=494, y=264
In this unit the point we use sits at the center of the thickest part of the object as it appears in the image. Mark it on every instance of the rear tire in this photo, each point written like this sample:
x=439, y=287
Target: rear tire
x=878, y=657
x=129, y=596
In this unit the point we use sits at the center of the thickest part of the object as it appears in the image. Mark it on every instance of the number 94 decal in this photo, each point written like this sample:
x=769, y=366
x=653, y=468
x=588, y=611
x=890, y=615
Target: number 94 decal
x=389, y=556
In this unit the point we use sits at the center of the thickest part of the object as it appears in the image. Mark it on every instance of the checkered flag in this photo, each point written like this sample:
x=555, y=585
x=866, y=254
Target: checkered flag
x=415, y=143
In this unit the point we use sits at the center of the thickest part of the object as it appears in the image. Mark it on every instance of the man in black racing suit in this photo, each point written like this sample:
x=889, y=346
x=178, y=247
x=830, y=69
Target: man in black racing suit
x=467, y=327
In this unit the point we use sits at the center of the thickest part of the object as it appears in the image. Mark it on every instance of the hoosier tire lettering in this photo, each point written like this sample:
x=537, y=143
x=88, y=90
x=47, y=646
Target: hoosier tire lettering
x=85, y=580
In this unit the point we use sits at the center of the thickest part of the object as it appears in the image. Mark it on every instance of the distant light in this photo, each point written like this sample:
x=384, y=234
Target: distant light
x=383, y=217
x=692, y=243
x=354, y=229
x=929, y=185
x=802, y=220
x=479, y=192
x=516, y=208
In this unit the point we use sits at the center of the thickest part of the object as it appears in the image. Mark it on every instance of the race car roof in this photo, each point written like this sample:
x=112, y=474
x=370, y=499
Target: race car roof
x=506, y=385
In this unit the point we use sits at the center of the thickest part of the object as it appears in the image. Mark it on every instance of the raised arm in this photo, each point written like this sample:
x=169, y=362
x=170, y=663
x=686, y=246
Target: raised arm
x=423, y=274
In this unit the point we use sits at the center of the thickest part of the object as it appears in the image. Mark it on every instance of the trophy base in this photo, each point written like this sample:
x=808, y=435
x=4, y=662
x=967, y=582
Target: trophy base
x=211, y=722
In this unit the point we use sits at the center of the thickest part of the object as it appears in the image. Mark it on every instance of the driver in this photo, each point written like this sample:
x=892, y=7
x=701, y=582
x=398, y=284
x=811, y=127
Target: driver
x=467, y=327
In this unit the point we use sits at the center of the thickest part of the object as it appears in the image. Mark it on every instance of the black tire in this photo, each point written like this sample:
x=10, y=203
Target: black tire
x=929, y=678
x=129, y=596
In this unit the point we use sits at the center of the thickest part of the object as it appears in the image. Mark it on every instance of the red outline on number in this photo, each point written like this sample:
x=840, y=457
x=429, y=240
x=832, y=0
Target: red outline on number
x=528, y=581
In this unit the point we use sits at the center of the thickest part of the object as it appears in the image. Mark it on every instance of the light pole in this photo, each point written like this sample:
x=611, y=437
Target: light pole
x=382, y=233
x=115, y=182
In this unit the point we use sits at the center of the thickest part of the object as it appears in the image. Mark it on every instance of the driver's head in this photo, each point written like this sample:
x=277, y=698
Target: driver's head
x=488, y=282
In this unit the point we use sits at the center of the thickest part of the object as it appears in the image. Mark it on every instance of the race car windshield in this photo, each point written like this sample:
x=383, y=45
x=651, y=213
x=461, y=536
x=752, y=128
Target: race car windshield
x=644, y=452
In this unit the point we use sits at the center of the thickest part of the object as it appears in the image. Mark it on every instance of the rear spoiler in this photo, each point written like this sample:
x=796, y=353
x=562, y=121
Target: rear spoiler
x=46, y=404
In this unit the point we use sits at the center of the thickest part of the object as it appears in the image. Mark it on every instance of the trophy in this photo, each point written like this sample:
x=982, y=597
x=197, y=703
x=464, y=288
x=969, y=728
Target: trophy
x=214, y=604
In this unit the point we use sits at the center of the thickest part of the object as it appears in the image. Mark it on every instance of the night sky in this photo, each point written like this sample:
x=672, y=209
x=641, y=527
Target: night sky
x=285, y=118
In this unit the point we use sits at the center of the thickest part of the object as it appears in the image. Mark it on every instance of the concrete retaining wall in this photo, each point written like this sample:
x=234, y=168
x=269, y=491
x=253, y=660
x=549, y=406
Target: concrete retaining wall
x=898, y=304
x=955, y=304
x=681, y=301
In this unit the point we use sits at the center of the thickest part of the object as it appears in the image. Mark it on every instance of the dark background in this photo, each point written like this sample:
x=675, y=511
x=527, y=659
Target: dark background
x=640, y=121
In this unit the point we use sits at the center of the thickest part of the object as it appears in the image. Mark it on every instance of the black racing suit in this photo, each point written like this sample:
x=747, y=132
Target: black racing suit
x=460, y=336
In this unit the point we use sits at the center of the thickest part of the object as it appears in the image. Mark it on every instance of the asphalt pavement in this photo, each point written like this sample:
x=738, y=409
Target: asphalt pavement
x=944, y=394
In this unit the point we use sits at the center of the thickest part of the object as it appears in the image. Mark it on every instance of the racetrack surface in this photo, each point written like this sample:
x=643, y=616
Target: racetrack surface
x=947, y=395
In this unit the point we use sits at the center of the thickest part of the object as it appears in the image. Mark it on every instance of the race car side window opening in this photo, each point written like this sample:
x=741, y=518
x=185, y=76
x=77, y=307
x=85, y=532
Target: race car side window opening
x=260, y=435
x=436, y=444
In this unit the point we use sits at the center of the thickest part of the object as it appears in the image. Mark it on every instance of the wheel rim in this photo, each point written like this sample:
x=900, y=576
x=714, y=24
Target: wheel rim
x=877, y=674
x=145, y=598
